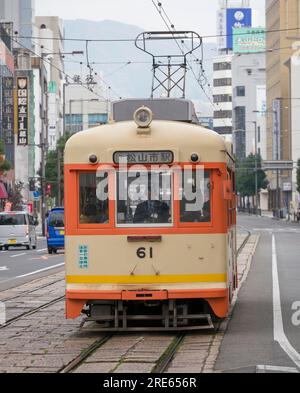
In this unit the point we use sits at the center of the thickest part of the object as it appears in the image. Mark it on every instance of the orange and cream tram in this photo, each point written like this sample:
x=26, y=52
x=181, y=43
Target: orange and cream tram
x=139, y=253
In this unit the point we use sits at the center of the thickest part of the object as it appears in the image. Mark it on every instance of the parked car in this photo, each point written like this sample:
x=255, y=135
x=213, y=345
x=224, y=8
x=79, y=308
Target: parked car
x=17, y=229
x=55, y=230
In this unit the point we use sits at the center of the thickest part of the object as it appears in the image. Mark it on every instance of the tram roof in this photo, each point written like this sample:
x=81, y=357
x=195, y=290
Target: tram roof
x=183, y=139
x=173, y=109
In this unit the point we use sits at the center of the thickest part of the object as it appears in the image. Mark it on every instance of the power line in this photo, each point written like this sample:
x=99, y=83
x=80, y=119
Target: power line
x=66, y=74
x=133, y=39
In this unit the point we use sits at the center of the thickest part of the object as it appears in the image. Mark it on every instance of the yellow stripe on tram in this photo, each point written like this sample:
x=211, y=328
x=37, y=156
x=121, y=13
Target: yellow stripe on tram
x=169, y=279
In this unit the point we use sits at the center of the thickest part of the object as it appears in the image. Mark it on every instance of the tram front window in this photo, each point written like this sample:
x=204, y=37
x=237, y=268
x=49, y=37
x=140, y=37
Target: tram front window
x=144, y=199
x=195, y=205
x=92, y=209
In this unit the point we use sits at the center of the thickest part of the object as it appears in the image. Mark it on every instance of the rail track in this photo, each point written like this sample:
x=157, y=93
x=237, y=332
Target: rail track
x=161, y=364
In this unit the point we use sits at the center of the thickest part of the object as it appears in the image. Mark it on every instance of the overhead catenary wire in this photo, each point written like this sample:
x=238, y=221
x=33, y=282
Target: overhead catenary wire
x=68, y=76
x=134, y=40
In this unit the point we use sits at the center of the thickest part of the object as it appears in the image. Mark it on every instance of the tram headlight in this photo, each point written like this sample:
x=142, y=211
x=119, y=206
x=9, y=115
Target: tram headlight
x=93, y=159
x=143, y=117
x=195, y=157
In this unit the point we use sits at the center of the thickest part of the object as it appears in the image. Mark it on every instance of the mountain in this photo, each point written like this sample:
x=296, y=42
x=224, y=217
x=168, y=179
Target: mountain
x=124, y=67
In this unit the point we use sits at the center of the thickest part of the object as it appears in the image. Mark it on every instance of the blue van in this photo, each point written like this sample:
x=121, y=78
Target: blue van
x=56, y=230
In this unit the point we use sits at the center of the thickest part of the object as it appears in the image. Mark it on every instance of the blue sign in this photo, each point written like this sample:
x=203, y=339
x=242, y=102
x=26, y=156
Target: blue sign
x=237, y=18
x=36, y=195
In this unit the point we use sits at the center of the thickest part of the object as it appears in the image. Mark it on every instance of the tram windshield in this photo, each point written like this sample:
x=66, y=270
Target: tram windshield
x=144, y=199
x=92, y=209
x=195, y=205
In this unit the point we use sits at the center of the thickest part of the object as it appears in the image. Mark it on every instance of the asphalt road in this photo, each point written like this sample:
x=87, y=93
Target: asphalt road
x=264, y=333
x=18, y=266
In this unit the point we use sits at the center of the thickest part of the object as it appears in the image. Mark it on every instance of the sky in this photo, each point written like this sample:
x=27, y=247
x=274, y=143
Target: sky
x=197, y=15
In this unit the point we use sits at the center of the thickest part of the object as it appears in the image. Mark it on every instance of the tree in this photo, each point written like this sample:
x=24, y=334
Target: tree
x=16, y=197
x=5, y=165
x=52, y=166
x=298, y=176
x=246, y=176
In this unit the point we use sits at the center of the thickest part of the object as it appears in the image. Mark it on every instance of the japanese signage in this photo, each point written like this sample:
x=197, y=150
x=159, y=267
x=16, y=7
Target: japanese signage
x=221, y=29
x=276, y=129
x=249, y=40
x=144, y=157
x=237, y=18
x=22, y=106
x=8, y=110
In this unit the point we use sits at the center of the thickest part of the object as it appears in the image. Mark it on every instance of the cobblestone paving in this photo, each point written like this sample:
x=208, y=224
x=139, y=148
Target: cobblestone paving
x=45, y=341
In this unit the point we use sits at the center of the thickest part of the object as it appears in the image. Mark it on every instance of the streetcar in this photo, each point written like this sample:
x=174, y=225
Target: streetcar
x=150, y=220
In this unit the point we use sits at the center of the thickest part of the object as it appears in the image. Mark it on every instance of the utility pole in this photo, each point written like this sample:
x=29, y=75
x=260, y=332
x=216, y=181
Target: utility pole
x=58, y=177
x=256, y=172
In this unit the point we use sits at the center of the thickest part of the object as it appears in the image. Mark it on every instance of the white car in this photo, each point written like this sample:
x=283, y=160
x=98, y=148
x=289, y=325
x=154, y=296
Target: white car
x=17, y=229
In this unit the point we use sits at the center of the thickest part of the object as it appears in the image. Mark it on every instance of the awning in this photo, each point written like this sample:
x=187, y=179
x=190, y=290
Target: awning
x=3, y=192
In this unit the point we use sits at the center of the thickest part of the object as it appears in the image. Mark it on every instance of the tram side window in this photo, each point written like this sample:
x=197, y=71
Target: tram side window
x=93, y=207
x=195, y=205
x=144, y=199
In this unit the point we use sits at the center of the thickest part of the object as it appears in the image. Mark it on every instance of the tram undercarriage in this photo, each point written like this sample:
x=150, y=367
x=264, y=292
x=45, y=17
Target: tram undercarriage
x=166, y=315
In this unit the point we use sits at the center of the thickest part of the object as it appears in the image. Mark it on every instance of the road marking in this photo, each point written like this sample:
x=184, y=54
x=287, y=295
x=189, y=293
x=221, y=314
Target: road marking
x=266, y=369
x=44, y=249
x=41, y=270
x=279, y=335
x=18, y=255
x=3, y=268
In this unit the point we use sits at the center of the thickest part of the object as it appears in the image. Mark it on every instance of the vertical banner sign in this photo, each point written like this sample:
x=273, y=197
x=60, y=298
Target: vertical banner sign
x=8, y=110
x=22, y=108
x=276, y=130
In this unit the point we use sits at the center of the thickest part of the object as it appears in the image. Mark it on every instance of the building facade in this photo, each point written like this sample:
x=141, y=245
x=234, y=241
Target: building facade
x=249, y=105
x=283, y=17
x=222, y=94
x=52, y=51
x=231, y=14
x=7, y=101
x=84, y=109
x=21, y=13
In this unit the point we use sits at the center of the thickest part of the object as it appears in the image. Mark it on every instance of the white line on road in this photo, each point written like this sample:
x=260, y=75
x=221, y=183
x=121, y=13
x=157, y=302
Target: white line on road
x=41, y=270
x=18, y=255
x=44, y=249
x=279, y=334
x=3, y=268
x=266, y=369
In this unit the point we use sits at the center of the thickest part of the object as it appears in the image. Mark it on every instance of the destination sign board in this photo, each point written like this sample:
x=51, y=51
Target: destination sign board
x=22, y=108
x=144, y=157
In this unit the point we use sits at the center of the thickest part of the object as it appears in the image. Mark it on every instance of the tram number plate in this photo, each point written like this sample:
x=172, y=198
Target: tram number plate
x=144, y=157
x=143, y=253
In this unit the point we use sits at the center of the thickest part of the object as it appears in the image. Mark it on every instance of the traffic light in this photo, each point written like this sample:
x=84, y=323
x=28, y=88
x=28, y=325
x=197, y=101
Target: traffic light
x=48, y=189
x=32, y=184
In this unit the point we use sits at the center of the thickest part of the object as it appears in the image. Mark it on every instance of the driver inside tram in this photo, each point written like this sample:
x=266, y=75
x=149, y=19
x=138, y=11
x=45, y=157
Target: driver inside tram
x=152, y=211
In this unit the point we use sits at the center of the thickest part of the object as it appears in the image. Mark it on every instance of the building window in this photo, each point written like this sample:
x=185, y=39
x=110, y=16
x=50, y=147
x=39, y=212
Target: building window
x=240, y=91
x=240, y=118
x=223, y=114
x=222, y=98
x=222, y=66
x=74, y=123
x=97, y=119
x=223, y=130
x=240, y=144
x=222, y=82
x=258, y=135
